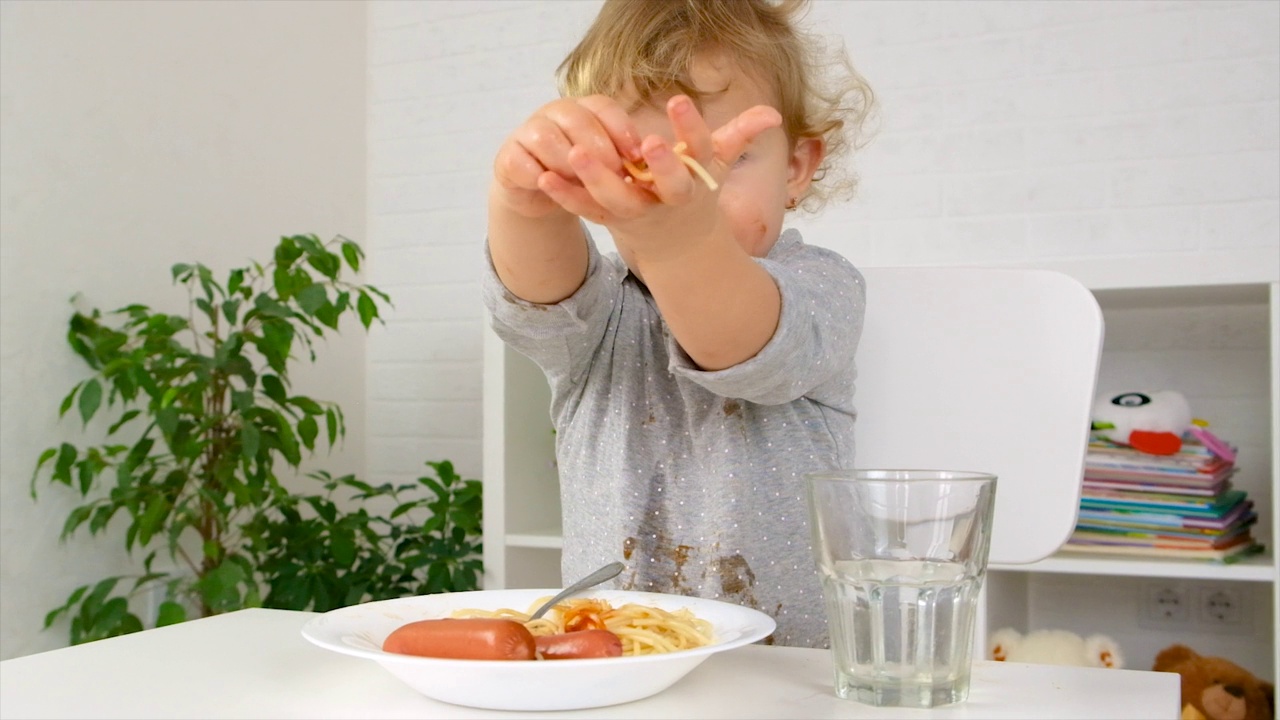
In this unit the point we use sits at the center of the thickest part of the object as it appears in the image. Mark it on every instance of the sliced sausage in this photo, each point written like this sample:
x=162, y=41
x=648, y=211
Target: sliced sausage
x=463, y=638
x=580, y=644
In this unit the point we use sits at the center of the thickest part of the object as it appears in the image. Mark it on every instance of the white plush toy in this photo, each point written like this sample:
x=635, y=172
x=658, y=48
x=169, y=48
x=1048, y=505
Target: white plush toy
x=1151, y=422
x=1154, y=423
x=1054, y=647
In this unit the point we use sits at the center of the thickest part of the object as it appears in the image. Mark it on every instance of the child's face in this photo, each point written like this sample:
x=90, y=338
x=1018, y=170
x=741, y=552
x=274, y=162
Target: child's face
x=754, y=195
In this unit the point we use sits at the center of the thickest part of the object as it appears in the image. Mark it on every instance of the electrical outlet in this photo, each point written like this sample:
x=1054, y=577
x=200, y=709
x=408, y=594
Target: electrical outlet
x=1165, y=605
x=1220, y=606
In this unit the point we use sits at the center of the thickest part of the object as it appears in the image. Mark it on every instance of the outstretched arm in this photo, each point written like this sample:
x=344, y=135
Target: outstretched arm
x=720, y=304
x=538, y=247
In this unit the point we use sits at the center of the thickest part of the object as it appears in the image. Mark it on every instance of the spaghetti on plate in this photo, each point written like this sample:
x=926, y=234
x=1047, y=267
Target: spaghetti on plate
x=643, y=629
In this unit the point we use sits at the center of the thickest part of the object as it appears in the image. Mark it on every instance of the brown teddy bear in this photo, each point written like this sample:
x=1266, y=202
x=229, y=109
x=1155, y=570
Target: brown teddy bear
x=1214, y=688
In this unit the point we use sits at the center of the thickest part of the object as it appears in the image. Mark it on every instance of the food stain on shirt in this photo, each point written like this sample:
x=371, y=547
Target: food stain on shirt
x=663, y=563
x=659, y=564
x=736, y=577
x=680, y=555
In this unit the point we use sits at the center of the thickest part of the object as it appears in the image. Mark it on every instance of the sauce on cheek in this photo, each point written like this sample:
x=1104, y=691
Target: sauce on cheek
x=749, y=226
x=752, y=233
x=761, y=230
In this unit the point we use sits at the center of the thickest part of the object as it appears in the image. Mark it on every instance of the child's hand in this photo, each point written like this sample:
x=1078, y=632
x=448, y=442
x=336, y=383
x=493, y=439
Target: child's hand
x=675, y=204
x=536, y=155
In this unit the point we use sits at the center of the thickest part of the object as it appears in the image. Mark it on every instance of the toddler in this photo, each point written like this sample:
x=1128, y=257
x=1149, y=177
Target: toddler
x=700, y=372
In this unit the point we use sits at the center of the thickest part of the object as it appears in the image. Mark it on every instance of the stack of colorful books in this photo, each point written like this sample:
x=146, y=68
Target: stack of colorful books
x=1172, y=506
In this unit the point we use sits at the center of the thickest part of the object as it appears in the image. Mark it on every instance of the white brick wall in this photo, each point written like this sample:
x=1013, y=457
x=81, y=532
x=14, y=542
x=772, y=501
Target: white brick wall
x=1011, y=132
x=448, y=80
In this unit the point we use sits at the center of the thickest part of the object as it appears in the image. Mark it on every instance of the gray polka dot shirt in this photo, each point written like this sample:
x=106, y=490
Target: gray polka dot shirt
x=695, y=479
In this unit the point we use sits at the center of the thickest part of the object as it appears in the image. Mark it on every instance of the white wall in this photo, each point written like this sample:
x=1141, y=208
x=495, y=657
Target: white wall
x=137, y=135
x=1117, y=140
x=1126, y=142
x=447, y=81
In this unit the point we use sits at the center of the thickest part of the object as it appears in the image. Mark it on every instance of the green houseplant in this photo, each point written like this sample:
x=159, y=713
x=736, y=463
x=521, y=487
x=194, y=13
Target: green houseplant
x=202, y=425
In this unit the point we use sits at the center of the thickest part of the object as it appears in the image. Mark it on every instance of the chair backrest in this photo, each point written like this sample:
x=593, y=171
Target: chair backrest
x=991, y=370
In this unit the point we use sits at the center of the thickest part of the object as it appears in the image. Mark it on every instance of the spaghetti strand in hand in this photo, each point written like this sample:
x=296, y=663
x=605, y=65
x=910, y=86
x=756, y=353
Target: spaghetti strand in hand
x=640, y=170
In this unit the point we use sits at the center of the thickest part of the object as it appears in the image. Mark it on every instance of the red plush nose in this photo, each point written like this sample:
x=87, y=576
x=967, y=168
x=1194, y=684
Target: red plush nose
x=1155, y=443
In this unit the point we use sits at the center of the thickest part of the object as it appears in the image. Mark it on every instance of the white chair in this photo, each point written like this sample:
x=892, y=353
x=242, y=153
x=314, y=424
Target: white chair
x=991, y=370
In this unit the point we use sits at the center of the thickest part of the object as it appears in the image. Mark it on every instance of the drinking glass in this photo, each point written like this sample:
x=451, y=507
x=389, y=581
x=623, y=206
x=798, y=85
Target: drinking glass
x=902, y=555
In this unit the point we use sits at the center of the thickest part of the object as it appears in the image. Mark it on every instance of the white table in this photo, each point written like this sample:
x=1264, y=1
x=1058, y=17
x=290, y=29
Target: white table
x=255, y=664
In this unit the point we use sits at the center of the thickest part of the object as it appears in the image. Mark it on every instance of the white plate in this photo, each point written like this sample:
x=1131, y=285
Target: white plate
x=537, y=685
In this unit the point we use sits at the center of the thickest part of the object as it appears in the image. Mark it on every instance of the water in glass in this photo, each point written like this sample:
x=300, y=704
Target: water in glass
x=901, y=630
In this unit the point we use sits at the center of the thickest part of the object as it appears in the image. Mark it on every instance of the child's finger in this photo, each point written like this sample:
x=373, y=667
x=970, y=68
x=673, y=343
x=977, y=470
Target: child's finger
x=616, y=122
x=689, y=127
x=671, y=179
x=516, y=168
x=546, y=143
x=613, y=194
x=572, y=198
x=583, y=128
x=732, y=137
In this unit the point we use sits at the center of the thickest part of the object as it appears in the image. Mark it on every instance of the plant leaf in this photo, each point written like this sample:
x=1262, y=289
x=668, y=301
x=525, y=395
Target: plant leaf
x=277, y=340
x=53, y=615
x=288, y=442
x=274, y=389
x=231, y=309
x=219, y=588
x=343, y=546
x=234, y=280
x=307, y=431
x=249, y=440
x=125, y=418
x=69, y=399
x=90, y=399
x=45, y=457
x=312, y=298
x=368, y=311
x=170, y=613
x=152, y=519
x=306, y=405
x=167, y=417
x=403, y=508
x=170, y=394
x=75, y=519
x=67, y=454
x=109, y=621
x=351, y=253
x=331, y=425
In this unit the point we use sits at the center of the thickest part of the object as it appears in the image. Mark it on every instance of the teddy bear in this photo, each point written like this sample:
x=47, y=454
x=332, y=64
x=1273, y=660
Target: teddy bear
x=1215, y=688
x=1054, y=647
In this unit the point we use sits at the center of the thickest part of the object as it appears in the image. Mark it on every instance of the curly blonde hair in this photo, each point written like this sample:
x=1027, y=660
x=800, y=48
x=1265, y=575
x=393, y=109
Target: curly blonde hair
x=648, y=47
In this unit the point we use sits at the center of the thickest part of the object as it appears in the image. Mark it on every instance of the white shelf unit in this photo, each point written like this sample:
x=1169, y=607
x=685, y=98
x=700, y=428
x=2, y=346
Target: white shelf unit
x=1220, y=346
x=1216, y=343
